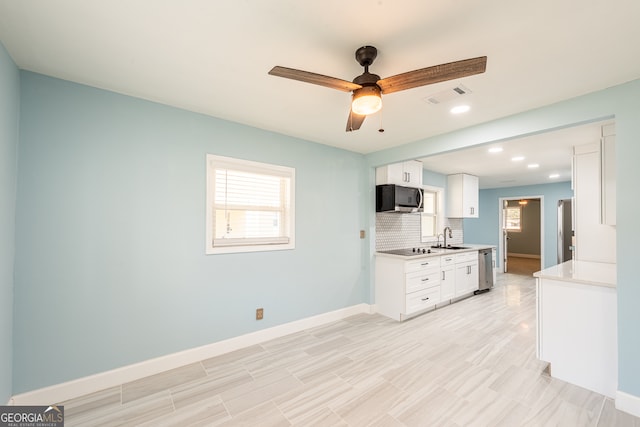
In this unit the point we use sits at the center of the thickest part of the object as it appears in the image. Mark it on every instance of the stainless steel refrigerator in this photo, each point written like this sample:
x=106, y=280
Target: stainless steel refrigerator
x=565, y=231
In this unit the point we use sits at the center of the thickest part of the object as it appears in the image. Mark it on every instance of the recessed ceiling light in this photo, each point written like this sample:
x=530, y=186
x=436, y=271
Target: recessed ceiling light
x=495, y=149
x=554, y=175
x=459, y=109
x=517, y=158
x=533, y=166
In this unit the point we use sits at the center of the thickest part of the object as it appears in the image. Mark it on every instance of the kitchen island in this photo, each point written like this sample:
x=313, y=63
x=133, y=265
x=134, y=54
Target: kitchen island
x=576, y=308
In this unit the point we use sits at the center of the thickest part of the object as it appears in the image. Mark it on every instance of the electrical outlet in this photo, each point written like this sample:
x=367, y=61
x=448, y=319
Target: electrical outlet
x=362, y=234
x=259, y=313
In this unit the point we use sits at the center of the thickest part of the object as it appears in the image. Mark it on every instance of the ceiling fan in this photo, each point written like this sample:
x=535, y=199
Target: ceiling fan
x=367, y=87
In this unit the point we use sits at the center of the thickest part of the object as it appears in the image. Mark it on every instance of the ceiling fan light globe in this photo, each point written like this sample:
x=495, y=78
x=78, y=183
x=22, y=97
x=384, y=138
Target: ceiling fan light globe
x=366, y=100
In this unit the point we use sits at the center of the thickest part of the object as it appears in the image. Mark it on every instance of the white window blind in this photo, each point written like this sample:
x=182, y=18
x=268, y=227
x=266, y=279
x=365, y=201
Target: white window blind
x=250, y=204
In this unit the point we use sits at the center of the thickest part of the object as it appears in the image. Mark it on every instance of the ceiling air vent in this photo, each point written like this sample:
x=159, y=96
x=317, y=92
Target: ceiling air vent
x=447, y=95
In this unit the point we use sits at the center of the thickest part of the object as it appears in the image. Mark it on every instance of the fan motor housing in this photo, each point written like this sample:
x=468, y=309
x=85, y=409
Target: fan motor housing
x=367, y=79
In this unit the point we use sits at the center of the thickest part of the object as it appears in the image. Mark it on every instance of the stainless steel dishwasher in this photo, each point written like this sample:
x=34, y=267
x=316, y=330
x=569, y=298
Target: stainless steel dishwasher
x=485, y=265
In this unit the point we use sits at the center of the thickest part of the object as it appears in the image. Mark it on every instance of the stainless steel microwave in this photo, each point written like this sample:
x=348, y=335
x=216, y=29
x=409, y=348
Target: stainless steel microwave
x=395, y=198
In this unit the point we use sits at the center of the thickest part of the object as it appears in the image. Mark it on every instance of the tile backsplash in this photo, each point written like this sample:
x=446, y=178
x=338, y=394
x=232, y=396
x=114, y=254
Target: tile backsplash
x=398, y=231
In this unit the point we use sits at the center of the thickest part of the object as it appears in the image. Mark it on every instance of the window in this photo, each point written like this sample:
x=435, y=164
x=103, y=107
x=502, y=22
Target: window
x=250, y=206
x=512, y=218
x=431, y=220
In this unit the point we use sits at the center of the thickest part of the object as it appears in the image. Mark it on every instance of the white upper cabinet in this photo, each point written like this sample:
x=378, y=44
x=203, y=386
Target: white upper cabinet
x=594, y=240
x=462, y=196
x=406, y=174
x=608, y=175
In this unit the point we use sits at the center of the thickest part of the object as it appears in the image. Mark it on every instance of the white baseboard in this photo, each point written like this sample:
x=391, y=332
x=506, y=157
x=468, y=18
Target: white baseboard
x=68, y=390
x=628, y=403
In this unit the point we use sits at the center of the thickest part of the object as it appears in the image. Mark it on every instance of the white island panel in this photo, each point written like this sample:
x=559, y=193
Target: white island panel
x=577, y=324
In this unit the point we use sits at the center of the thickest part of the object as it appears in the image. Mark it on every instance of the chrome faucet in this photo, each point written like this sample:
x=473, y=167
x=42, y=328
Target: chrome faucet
x=438, y=241
x=445, y=235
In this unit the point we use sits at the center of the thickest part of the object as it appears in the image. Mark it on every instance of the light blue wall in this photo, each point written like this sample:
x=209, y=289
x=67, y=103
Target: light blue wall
x=621, y=102
x=110, y=263
x=109, y=255
x=9, y=109
x=486, y=228
x=434, y=179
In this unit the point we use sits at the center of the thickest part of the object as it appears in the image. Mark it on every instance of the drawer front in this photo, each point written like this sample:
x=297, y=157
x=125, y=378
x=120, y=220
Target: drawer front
x=422, y=280
x=447, y=260
x=422, y=300
x=423, y=264
x=466, y=256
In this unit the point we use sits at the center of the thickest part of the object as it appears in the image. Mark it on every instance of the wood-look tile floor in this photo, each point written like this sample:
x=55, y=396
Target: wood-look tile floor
x=471, y=363
x=523, y=266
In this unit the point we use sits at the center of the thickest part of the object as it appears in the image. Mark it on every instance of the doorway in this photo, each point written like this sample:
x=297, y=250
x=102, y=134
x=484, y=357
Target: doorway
x=521, y=242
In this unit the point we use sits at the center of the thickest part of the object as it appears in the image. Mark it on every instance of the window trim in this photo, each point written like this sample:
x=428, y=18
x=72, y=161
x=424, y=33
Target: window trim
x=213, y=161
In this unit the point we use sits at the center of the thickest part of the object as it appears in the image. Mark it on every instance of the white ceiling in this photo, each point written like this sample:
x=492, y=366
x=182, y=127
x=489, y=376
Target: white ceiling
x=552, y=152
x=213, y=57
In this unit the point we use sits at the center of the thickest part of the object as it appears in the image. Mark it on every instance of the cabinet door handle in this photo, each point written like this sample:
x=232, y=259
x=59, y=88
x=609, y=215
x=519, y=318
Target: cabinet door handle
x=443, y=275
x=424, y=299
x=425, y=263
x=425, y=279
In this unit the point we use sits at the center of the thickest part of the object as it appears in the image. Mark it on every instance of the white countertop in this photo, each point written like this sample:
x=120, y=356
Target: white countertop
x=440, y=251
x=585, y=272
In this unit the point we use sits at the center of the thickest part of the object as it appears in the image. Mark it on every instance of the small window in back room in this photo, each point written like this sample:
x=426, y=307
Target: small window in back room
x=250, y=206
x=513, y=218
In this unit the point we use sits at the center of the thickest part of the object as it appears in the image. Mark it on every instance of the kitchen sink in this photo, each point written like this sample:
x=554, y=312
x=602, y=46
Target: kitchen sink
x=456, y=247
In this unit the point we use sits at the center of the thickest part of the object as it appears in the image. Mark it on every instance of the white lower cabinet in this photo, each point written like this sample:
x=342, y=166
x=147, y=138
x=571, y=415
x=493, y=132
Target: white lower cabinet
x=467, y=276
x=406, y=288
x=447, y=277
x=494, y=264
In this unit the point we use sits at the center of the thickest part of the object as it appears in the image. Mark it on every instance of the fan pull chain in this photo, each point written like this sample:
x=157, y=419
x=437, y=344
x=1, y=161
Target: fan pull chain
x=381, y=128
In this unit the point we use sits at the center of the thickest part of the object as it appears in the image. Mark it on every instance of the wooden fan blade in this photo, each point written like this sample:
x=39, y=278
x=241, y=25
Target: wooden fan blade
x=316, y=79
x=354, y=121
x=435, y=74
